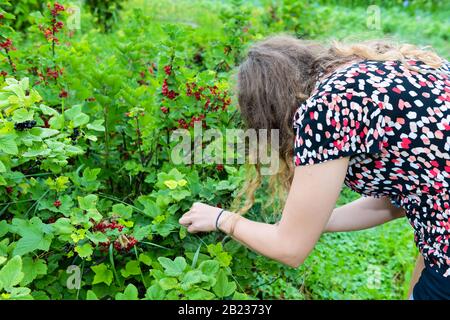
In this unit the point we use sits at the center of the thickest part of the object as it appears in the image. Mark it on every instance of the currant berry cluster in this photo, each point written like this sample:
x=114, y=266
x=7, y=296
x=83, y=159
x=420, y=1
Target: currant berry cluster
x=20, y=126
x=125, y=243
x=54, y=73
x=103, y=226
x=7, y=45
x=164, y=109
x=185, y=125
x=166, y=92
x=168, y=70
x=63, y=93
x=57, y=203
x=57, y=8
x=55, y=26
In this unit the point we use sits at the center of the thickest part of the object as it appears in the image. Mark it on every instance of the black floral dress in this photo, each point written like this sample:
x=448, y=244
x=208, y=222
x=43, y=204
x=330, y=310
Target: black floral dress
x=394, y=124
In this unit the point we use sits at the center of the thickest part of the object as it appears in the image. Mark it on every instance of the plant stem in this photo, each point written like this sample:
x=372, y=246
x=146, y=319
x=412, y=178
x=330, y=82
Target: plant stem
x=111, y=260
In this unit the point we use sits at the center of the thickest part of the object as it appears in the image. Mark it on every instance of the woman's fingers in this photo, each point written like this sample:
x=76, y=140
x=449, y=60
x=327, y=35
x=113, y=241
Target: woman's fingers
x=192, y=229
x=186, y=219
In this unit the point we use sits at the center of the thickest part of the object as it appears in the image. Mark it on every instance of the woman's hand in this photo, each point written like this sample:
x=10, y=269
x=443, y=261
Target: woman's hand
x=201, y=218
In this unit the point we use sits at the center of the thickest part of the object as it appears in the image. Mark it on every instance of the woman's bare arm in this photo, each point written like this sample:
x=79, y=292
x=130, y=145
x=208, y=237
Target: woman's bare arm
x=363, y=213
x=311, y=200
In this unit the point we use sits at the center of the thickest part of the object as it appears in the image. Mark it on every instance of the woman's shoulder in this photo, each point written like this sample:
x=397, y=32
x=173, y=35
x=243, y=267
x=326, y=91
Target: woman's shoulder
x=351, y=75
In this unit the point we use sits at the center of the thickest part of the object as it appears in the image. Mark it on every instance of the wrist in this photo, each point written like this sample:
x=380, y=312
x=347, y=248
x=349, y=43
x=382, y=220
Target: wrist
x=225, y=222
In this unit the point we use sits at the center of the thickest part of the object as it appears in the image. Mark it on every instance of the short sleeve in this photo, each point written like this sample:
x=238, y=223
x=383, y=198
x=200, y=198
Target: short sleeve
x=337, y=125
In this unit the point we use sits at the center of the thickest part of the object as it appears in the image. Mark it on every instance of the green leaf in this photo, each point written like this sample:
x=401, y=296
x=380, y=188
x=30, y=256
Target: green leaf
x=155, y=292
x=132, y=268
x=22, y=115
x=130, y=293
x=90, y=295
x=96, y=125
x=145, y=259
x=19, y=293
x=11, y=273
x=2, y=167
x=224, y=288
x=96, y=237
x=43, y=133
x=173, y=268
x=171, y=184
x=209, y=267
x=102, y=274
x=47, y=110
x=199, y=294
x=63, y=226
x=192, y=277
x=150, y=207
x=4, y=228
x=142, y=232
x=85, y=250
x=88, y=202
x=122, y=210
x=8, y=144
x=80, y=119
x=32, y=269
x=168, y=283
x=35, y=235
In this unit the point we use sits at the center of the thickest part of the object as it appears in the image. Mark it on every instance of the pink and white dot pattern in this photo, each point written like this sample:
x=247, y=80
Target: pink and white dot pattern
x=394, y=124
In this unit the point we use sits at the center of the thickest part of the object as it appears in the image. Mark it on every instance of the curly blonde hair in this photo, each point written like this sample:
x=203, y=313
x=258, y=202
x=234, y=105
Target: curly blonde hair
x=279, y=73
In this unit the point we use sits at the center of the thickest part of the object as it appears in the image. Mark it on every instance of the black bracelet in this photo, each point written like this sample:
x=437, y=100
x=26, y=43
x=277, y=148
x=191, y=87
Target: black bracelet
x=217, y=219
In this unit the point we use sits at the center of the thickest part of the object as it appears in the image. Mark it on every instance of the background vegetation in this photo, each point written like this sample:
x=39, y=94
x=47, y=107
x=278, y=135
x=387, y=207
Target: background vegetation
x=87, y=104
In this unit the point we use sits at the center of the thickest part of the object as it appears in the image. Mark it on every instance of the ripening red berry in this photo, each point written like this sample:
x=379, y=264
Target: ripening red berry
x=63, y=93
x=168, y=70
x=219, y=167
x=7, y=44
x=164, y=109
x=9, y=190
x=57, y=203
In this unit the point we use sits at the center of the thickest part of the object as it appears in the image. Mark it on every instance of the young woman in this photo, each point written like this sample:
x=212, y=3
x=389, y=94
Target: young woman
x=375, y=116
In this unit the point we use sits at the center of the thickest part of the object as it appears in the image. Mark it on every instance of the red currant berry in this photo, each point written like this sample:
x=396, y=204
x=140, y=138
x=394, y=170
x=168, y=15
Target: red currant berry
x=57, y=203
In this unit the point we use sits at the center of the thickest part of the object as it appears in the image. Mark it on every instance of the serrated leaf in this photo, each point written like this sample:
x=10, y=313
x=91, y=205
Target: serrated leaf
x=85, y=250
x=132, y=268
x=145, y=259
x=223, y=288
x=122, y=210
x=130, y=293
x=11, y=273
x=171, y=184
x=168, y=283
x=32, y=269
x=102, y=274
x=155, y=292
x=173, y=267
x=8, y=144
